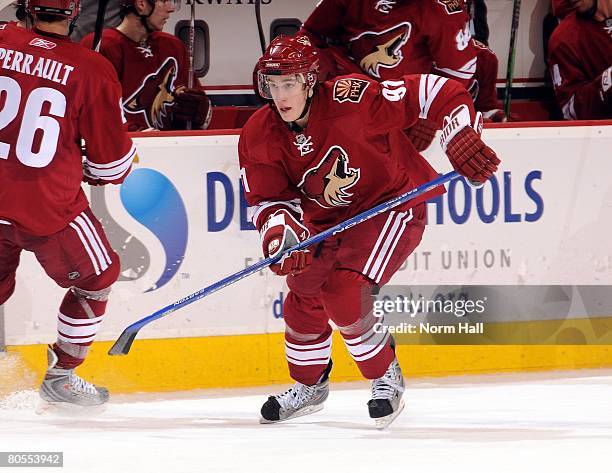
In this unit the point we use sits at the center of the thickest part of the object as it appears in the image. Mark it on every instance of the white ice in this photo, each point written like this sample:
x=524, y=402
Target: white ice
x=537, y=422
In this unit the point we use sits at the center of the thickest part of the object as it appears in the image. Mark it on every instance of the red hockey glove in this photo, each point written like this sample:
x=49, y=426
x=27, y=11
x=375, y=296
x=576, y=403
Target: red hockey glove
x=465, y=150
x=192, y=105
x=281, y=231
x=422, y=134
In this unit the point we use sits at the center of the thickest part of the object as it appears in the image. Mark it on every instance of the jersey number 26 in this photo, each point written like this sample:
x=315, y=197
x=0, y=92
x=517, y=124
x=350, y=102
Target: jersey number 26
x=31, y=122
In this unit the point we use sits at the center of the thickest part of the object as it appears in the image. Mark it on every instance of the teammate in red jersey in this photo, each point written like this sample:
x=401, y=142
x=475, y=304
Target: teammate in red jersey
x=319, y=154
x=54, y=93
x=388, y=39
x=153, y=69
x=580, y=61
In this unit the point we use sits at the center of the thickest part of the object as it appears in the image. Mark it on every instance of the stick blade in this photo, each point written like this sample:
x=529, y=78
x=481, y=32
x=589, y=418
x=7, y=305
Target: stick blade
x=123, y=344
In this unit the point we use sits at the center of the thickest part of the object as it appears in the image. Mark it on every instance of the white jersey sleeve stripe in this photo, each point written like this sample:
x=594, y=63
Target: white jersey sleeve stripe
x=433, y=89
x=128, y=156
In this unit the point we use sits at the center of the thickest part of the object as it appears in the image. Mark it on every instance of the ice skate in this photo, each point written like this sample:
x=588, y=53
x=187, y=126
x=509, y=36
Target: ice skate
x=386, y=403
x=62, y=386
x=297, y=401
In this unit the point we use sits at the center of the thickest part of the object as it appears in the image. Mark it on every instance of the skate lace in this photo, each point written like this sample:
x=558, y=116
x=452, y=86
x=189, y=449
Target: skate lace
x=385, y=387
x=296, y=396
x=79, y=385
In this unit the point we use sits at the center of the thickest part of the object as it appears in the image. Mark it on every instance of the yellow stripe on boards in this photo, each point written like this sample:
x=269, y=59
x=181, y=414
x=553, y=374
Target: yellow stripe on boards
x=251, y=360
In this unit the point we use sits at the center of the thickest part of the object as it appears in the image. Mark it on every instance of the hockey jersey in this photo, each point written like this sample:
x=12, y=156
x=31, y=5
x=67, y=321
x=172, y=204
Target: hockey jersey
x=55, y=93
x=352, y=154
x=391, y=38
x=580, y=50
x=149, y=73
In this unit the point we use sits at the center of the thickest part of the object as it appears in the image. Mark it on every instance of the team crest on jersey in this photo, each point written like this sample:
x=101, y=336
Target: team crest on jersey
x=380, y=49
x=154, y=97
x=328, y=181
x=350, y=90
x=451, y=6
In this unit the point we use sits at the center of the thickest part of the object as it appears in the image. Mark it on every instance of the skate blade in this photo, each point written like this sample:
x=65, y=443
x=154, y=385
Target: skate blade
x=383, y=422
x=301, y=413
x=65, y=409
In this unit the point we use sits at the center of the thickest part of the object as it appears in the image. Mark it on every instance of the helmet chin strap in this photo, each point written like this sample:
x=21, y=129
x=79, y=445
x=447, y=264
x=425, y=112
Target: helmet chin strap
x=72, y=24
x=144, y=18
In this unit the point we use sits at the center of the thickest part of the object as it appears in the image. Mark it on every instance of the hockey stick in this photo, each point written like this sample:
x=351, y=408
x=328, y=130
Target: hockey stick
x=516, y=13
x=191, y=51
x=262, y=38
x=124, y=342
x=102, y=4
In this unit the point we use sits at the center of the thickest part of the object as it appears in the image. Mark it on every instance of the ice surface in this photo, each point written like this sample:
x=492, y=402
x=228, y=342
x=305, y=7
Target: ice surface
x=550, y=422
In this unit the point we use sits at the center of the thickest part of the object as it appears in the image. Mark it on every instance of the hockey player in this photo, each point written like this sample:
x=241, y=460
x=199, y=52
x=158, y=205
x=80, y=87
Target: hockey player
x=56, y=92
x=153, y=69
x=319, y=154
x=387, y=39
x=580, y=60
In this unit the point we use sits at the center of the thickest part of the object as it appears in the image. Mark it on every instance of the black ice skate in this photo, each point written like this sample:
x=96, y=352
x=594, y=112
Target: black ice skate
x=63, y=386
x=386, y=403
x=297, y=401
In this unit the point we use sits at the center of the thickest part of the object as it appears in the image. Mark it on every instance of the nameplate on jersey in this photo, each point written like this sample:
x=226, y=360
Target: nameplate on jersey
x=451, y=6
x=42, y=43
x=350, y=90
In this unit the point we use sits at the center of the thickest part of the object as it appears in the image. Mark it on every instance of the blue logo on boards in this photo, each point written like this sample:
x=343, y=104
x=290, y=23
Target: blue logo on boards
x=151, y=199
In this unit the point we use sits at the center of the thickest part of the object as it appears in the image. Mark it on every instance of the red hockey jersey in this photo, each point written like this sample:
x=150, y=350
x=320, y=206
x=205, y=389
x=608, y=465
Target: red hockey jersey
x=580, y=49
x=55, y=92
x=484, y=86
x=149, y=73
x=351, y=156
x=389, y=39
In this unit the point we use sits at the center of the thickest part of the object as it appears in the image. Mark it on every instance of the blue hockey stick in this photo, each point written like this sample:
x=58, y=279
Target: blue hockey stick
x=124, y=342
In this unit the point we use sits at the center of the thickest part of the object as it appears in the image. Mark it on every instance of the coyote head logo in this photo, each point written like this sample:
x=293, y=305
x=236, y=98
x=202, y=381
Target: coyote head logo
x=327, y=183
x=154, y=97
x=380, y=49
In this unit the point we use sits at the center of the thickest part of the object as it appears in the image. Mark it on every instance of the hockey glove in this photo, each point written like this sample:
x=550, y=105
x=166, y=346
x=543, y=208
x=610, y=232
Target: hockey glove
x=422, y=134
x=192, y=105
x=281, y=231
x=465, y=150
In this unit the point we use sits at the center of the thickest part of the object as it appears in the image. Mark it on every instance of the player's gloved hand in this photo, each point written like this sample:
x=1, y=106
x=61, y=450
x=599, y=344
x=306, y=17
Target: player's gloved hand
x=465, y=150
x=192, y=105
x=422, y=134
x=89, y=178
x=281, y=231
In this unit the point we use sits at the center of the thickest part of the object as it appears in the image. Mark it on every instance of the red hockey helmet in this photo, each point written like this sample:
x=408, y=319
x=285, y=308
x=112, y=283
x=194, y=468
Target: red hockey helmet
x=67, y=8
x=288, y=55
